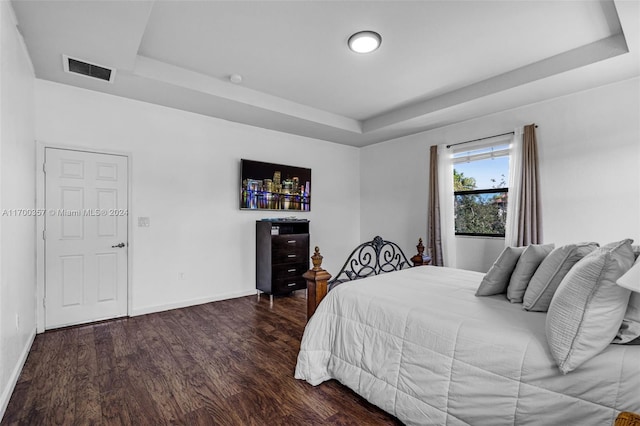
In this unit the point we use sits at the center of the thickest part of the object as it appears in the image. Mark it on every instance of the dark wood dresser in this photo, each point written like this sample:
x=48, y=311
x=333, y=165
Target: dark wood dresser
x=282, y=255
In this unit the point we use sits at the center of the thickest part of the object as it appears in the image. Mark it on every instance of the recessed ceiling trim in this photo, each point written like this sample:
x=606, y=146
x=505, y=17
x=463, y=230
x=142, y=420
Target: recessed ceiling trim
x=88, y=69
x=573, y=59
x=177, y=76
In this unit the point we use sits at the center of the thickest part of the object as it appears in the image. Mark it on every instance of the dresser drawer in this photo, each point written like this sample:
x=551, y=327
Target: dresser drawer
x=290, y=249
x=287, y=285
x=288, y=271
x=284, y=242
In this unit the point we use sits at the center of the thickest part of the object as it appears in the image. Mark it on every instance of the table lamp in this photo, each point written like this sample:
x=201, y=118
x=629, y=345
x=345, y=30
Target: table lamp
x=631, y=279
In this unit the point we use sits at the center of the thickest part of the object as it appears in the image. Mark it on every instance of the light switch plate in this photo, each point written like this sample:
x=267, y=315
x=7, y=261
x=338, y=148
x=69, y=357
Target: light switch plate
x=144, y=222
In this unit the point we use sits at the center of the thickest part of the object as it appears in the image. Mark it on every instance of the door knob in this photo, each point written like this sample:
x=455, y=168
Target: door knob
x=118, y=245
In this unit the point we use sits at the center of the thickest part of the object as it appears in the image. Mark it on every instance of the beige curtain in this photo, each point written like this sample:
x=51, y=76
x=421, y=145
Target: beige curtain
x=529, y=217
x=434, y=238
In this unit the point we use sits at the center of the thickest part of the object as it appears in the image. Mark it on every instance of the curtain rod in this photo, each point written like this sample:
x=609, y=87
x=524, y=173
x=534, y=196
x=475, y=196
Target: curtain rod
x=481, y=139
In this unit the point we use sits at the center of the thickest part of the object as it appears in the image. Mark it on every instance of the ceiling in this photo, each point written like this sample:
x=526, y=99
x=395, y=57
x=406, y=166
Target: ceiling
x=440, y=62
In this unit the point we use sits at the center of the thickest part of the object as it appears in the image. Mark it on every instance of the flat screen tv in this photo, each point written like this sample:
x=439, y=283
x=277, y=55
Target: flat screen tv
x=269, y=186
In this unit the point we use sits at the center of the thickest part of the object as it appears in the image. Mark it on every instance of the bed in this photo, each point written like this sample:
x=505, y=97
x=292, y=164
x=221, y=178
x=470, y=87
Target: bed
x=419, y=344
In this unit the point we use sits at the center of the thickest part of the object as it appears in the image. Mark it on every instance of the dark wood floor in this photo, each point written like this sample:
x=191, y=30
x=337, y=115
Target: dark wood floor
x=226, y=363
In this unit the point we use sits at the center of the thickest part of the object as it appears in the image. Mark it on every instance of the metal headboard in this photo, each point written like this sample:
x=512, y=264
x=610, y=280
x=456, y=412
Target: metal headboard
x=371, y=258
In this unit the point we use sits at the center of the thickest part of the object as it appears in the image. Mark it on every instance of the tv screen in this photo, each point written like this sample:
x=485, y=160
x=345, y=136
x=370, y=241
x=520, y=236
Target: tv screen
x=268, y=186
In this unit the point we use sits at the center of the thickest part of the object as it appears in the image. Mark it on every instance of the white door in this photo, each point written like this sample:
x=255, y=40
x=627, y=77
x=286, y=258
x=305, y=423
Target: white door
x=85, y=237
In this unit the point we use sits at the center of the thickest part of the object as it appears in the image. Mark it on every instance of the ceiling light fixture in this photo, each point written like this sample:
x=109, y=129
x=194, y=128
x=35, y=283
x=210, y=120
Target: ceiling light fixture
x=364, y=41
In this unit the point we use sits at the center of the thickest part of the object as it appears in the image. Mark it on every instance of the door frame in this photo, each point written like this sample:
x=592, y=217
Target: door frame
x=40, y=222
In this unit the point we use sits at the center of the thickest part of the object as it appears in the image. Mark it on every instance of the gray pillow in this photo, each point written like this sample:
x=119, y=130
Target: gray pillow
x=531, y=258
x=497, y=279
x=551, y=271
x=588, y=307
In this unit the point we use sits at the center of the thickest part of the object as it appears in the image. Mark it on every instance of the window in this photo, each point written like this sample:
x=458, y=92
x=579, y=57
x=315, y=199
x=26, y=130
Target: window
x=480, y=179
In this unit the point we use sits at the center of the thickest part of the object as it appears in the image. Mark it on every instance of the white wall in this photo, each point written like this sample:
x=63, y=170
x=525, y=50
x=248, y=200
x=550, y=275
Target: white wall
x=17, y=183
x=477, y=254
x=589, y=146
x=394, y=191
x=185, y=177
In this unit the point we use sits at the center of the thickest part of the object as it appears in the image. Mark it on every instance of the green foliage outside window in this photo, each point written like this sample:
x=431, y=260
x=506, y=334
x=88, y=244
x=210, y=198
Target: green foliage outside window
x=462, y=183
x=479, y=211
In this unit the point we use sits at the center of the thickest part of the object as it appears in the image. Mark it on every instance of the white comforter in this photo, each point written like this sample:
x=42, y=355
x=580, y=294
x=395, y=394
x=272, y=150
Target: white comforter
x=421, y=346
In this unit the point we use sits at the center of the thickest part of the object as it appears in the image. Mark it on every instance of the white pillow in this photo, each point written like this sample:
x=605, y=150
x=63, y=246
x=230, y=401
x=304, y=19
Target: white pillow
x=588, y=307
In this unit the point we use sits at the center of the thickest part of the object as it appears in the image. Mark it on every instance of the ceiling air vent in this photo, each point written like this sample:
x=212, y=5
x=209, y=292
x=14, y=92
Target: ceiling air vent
x=78, y=66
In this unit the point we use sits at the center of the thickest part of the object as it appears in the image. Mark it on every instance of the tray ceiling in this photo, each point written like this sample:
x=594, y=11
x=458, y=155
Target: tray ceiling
x=440, y=62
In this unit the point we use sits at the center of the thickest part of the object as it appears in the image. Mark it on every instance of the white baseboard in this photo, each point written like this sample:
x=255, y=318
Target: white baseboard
x=186, y=303
x=13, y=379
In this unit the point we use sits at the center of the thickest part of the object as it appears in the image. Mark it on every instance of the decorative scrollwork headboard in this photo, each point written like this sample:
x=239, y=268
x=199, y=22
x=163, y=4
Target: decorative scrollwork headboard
x=371, y=258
